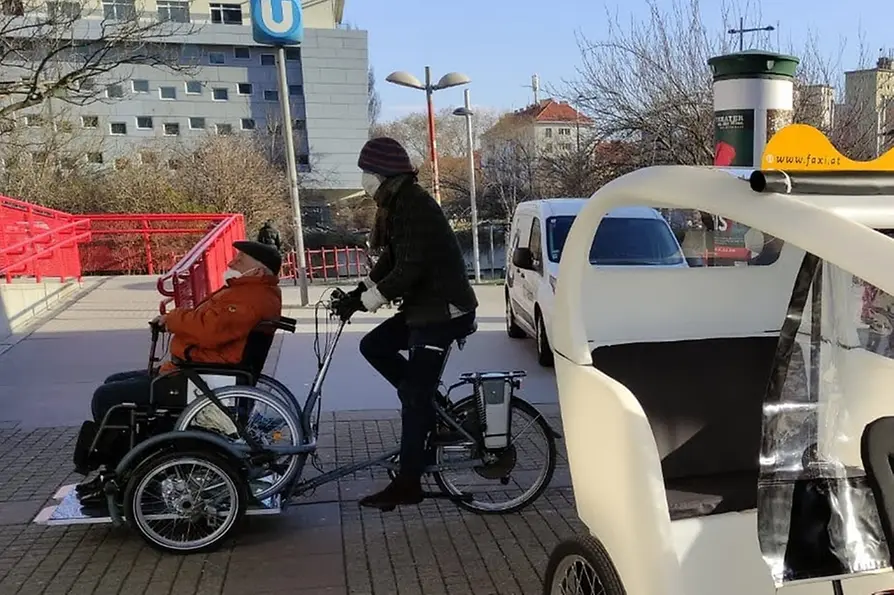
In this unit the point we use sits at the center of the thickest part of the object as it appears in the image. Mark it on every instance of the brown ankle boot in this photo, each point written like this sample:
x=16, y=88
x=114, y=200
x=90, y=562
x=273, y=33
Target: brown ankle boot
x=404, y=489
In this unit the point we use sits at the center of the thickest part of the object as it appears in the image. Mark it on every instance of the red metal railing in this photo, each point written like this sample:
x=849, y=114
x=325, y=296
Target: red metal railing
x=39, y=242
x=329, y=264
x=200, y=272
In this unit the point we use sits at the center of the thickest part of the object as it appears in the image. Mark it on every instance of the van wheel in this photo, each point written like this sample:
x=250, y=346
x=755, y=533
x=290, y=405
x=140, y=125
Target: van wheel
x=581, y=565
x=544, y=351
x=512, y=329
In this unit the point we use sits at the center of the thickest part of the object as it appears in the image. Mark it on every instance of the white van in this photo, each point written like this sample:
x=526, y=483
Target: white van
x=630, y=236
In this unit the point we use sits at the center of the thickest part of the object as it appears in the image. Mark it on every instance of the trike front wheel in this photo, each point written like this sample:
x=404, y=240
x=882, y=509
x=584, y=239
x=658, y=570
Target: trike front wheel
x=581, y=566
x=507, y=480
x=185, y=502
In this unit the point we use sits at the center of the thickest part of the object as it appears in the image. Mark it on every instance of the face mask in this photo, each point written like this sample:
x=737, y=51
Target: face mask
x=370, y=183
x=231, y=274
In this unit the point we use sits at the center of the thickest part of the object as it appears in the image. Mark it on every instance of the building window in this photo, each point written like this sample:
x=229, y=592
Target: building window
x=94, y=158
x=64, y=11
x=172, y=129
x=176, y=11
x=241, y=53
x=217, y=58
x=118, y=128
x=293, y=54
x=248, y=124
x=90, y=121
x=244, y=89
x=167, y=93
x=197, y=123
x=115, y=91
x=271, y=95
x=140, y=86
x=193, y=88
x=144, y=122
x=296, y=89
x=548, y=133
x=119, y=10
x=224, y=129
x=564, y=132
x=33, y=121
x=268, y=60
x=220, y=94
x=226, y=14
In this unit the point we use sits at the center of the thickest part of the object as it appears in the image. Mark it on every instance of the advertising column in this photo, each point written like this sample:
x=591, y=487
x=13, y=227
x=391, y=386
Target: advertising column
x=753, y=100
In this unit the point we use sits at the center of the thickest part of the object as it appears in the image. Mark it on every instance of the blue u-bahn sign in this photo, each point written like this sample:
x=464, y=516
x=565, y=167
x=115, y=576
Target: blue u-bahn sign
x=276, y=22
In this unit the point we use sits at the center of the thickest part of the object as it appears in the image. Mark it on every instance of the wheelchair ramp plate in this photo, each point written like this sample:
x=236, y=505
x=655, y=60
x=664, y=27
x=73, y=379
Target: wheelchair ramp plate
x=70, y=511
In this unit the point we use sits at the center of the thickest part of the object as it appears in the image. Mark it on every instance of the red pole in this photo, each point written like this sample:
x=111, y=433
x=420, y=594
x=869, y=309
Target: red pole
x=432, y=140
x=147, y=246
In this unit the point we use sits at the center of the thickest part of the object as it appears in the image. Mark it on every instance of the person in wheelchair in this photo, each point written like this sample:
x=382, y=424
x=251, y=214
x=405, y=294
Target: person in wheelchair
x=214, y=332
x=422, y=264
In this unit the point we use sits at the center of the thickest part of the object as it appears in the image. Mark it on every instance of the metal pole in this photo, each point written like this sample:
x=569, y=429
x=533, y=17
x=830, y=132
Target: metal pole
x=432, y=140
x=292, y=167
x=473, y=194
x=741, y=33
x=493, y=262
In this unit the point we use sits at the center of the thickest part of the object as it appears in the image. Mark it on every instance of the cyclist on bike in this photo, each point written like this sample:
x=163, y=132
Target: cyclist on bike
x=422, y=264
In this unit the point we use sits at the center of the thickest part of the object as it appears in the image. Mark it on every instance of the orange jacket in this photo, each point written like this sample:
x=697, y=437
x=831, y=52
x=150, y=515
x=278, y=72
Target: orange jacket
x=217, y=329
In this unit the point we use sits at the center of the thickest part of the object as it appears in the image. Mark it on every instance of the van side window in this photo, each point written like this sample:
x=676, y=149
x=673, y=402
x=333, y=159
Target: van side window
x=535, y=242
x=711, y=240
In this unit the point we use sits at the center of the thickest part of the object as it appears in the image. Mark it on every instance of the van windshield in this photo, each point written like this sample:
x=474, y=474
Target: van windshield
x=620, y=241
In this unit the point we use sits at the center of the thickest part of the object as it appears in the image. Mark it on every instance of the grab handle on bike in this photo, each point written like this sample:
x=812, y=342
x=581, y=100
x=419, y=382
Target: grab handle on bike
x=156, y=330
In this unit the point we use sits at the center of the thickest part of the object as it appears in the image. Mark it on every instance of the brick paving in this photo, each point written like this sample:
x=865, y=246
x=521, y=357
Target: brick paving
x=325, y=544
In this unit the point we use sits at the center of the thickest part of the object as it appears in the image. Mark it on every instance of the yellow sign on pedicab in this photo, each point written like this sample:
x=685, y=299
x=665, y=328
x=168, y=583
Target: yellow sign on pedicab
x=799, y=147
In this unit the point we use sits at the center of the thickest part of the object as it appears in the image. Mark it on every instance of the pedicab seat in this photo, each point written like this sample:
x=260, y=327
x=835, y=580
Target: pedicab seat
x=704, y=400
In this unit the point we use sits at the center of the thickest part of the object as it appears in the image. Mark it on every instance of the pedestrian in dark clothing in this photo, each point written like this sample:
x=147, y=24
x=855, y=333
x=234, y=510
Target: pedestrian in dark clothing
x=421, y=262
x=268, y=234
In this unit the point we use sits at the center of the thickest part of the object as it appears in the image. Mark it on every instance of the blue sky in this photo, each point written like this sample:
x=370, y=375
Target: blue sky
x=501, y=43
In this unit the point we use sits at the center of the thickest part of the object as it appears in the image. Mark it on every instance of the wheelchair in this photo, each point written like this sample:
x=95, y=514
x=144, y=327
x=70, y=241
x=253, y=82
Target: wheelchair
x=219, y=442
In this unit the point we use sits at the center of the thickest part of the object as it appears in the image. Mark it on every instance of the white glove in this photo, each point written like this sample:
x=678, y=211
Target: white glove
x=372, y=299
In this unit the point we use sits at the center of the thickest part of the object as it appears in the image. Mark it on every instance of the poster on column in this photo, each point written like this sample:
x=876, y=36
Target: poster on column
x=777, y=119
x=734, y=138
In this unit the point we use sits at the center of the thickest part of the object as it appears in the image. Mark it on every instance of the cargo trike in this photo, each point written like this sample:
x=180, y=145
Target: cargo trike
x=730, y=427
x=238, y=441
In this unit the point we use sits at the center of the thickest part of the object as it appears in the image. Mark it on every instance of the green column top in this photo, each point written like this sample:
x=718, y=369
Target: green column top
x=753, y=64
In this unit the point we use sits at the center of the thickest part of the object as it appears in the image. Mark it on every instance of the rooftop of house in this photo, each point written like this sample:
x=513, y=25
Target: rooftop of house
x=550, y=110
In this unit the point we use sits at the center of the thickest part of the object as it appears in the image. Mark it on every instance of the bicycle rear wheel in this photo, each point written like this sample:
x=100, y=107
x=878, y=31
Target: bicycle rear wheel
x=508, y=480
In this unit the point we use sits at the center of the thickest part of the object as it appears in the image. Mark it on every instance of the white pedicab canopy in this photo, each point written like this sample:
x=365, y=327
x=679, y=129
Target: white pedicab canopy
x=713, y=415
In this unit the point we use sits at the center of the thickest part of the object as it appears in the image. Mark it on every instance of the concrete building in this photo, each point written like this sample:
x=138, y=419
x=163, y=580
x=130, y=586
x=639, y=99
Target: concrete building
x=228, y=86
x=869, y=106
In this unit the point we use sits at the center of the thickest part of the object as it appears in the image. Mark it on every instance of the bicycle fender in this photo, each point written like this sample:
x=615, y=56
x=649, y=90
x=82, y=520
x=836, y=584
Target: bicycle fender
x=145, y=449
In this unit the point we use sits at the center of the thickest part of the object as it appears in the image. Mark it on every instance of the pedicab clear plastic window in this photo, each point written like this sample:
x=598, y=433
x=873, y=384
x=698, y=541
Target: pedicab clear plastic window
x=816, y=514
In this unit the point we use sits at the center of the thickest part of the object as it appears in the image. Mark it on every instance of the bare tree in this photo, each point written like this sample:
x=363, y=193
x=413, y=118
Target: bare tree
x=583, y=169
x=49, y=50
x=374, y=103
x=510, y=163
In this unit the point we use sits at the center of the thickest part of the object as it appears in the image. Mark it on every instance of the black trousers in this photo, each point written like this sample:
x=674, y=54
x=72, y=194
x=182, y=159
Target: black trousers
x=416, y=378
x=124, y=387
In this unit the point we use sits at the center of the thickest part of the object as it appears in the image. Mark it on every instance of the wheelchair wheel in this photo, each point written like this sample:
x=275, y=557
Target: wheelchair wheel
x=267, y=419
x=185, y=502
x=581, y=566
x=280, y=391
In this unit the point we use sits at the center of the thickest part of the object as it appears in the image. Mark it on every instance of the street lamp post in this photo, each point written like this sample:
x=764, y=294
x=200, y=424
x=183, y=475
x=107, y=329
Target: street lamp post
x=742, y=30
x=451, y=79
x=467, y=113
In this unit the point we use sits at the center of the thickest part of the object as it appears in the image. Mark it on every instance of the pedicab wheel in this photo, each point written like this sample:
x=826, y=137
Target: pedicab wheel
x=581, y=566
x=509, y=479
x=185, y=502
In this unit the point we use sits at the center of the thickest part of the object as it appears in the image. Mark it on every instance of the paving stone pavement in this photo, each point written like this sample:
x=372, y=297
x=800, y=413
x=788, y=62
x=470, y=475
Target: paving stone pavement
x=324, y=545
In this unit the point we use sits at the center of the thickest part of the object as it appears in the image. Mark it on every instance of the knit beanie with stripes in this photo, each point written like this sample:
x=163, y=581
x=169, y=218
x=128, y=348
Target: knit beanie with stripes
x=386, y=157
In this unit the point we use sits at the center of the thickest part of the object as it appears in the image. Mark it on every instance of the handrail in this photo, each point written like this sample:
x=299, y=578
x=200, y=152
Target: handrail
x=198, y=273
x=47, y=234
